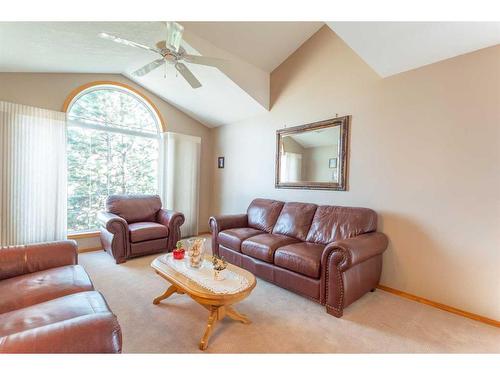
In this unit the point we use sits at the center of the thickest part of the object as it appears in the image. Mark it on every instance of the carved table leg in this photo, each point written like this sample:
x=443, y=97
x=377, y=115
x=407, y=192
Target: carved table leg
x=165, y=295
x=235, y=315
x=212, y=319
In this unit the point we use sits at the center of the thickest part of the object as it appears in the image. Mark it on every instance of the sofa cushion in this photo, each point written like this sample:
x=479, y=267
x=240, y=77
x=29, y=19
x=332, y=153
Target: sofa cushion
x=332, y=223
x=264, y=245
x=232, y=238
x=78, y=323
x=145, y=231
x=134, y=208
x=295, y=220
x=302, y=257
x=32, y=288
x=263, y=213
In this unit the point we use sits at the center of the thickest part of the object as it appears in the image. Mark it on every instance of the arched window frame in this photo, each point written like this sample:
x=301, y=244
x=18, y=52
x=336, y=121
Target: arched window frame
x=91, y=86
x=96, y=85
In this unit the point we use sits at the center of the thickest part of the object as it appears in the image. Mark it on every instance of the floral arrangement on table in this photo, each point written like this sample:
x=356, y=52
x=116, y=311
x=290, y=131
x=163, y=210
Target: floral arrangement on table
x=219, y=265
x=195, y=253
x=179, y=250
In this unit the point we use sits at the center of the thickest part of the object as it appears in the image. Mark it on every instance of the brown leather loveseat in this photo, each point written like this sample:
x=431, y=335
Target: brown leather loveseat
x=135, y=225
x=48, y=303
x=330, y=254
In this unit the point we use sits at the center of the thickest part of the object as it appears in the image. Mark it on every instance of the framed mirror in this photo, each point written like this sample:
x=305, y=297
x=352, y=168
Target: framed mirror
x=313, y=156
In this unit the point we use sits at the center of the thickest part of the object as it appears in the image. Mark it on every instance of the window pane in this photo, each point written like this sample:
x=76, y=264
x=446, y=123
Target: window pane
x=101, y=163
x=114, y=108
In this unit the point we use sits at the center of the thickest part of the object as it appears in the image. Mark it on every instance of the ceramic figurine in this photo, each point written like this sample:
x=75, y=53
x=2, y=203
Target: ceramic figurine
x=220, y=265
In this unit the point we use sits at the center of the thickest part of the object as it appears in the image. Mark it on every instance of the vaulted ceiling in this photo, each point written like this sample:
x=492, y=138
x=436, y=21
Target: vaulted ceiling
x=252, y=50
x=238, y=91
x=394, y=47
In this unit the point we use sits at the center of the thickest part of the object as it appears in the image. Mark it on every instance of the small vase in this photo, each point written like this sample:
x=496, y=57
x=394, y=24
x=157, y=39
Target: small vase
x=218, y=276
x=194, y=255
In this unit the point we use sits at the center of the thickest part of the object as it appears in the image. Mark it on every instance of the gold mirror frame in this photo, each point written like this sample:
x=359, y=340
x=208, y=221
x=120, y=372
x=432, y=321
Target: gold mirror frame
x=341, y=185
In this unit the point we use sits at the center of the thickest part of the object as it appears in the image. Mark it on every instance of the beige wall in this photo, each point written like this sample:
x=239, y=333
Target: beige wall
x=424, y=153
x=50, y=90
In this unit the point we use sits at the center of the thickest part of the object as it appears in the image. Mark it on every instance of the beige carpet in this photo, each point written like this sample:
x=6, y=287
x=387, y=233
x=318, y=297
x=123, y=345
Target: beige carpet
x=283, y=322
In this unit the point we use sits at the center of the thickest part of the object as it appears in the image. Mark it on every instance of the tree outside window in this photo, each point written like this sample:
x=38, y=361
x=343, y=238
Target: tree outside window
x=113, y=148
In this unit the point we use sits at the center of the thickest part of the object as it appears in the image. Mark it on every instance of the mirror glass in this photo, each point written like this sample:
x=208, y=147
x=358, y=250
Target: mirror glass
x=312, y=156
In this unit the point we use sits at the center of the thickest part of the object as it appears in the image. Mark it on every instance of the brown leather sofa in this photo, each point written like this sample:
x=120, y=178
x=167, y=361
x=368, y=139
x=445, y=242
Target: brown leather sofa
x=48, y=303
x=135, y=225
x=330, y=254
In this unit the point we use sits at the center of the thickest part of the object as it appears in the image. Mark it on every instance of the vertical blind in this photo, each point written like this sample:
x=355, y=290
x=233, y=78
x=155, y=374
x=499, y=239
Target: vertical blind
x=32, y=174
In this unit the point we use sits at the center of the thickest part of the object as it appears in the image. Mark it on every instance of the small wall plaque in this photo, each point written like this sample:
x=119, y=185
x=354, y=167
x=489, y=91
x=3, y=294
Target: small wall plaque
x=220, y=161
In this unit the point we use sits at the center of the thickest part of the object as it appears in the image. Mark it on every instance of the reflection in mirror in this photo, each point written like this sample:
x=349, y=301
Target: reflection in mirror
x=313, y=156
x=310, y=156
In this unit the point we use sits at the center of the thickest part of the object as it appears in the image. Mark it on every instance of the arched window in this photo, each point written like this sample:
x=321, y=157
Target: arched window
x=112, y=148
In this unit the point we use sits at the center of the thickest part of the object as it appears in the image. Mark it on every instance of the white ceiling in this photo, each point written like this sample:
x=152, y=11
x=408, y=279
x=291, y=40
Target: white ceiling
x=238, y=92
x=263, y=44
x=73, y=47
x=253, y=49
x=395, y=47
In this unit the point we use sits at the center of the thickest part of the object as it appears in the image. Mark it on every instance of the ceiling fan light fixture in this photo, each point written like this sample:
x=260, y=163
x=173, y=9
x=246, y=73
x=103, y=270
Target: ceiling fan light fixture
x=174, y=36
x=169, y=51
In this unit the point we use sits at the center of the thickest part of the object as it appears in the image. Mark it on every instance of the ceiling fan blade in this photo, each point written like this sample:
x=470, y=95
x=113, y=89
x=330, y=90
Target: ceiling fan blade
x=204, y=60
x=127, y=42
x=188, y=76
x=149, y=67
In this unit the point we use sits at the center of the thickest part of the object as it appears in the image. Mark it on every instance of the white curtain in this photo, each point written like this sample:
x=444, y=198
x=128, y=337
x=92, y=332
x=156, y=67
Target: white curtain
x=291, y=167
x=32, y=174
x=180, y=177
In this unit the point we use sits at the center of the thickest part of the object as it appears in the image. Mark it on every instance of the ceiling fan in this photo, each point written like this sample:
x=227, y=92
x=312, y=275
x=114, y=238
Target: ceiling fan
x=171, y=52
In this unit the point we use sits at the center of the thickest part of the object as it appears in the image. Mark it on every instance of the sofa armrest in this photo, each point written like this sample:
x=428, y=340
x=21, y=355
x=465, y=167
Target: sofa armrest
x=113, y=223
x=349, y=252
x=220, y=223
x=173, y=220
x=20, y=260
x=114, y=235
x=351, y=268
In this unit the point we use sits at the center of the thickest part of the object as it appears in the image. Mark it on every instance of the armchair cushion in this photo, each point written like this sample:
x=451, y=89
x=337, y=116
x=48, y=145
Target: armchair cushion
x=263, y=246
x=232, y=238
x=32, y=288
x=145, y=231
x=302, y=257
x=134, y=208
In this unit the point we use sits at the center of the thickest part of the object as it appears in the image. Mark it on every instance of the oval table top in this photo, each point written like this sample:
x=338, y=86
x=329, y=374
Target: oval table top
x=198, y=292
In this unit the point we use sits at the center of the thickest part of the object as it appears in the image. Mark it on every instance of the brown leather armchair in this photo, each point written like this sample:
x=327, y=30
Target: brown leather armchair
x=135, y=225
x=330, y=254
x=48, y=303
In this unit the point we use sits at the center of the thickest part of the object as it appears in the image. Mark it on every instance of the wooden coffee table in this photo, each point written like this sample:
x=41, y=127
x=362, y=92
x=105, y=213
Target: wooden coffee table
x=218, y=305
